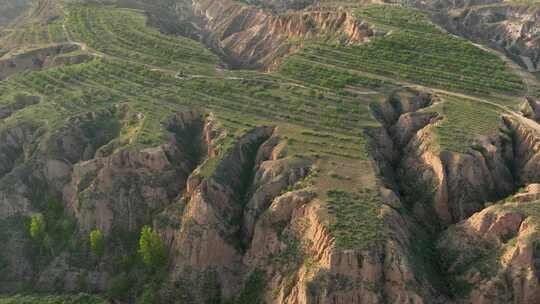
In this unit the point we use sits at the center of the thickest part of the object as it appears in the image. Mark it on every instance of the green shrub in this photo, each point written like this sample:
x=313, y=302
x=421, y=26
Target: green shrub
x=151, y=249
x=37, y=227
x=97, y=242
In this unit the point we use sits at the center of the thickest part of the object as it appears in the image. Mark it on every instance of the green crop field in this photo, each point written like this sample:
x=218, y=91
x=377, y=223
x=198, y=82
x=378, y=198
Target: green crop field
x=464, y=120
x=137, y=67
x=123, y=33
x=313, y=95
x=412, y=50
x=69, y=90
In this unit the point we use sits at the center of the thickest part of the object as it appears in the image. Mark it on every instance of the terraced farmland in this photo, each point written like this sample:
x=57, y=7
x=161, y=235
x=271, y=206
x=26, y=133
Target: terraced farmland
x=137, y=67
x=102, y=82
x=463, y=121
x=124, y=34
x=136, y=168
x=307, y=93
x=413, y=50
x=35, y=33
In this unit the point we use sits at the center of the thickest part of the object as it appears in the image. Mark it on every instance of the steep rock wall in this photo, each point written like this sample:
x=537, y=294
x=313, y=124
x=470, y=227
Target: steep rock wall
x=494, y=255
x=484, y=255
x=452, y=185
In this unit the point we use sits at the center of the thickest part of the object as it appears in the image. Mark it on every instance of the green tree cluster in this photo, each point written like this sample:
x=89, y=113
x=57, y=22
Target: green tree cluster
x=51, y=229
x=151, y=249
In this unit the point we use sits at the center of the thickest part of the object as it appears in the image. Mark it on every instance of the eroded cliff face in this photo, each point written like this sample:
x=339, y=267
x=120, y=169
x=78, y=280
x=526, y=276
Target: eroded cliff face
x=526, y=151
x=295, y=251
x=251, y=37
x=123, y=189
x=484, y=255
x=494, y=255
x=16, y=193
x=384, y=272
x=452, y=185
x=100, y=181
x=234, y=209
x=221, y=210
x=232, y=228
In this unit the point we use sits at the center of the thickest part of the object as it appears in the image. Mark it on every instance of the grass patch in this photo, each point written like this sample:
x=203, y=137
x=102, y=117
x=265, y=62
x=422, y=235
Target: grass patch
x=326, y=76
x=358, y=222
x=464, y=120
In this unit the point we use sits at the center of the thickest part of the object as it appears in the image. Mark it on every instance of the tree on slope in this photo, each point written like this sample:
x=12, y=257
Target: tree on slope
x=97, y=242
x=151, y=249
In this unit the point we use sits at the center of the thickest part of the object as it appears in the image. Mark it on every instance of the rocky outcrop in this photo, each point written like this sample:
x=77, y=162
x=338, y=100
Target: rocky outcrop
x=240, y=220
x=531, y=109
x=384, y=272
x=15, y=146
x=123, y=189
x=226, y=211
x=486, y=254
x=273, y=173
x=17, y=191
x=101, y=181
x=526, y=143
x=211, y=223
x=493, y=255
x=452, y=185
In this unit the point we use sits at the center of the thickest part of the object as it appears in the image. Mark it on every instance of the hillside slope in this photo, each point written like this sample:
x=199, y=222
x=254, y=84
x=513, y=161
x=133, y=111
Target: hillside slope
x=202, y=151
